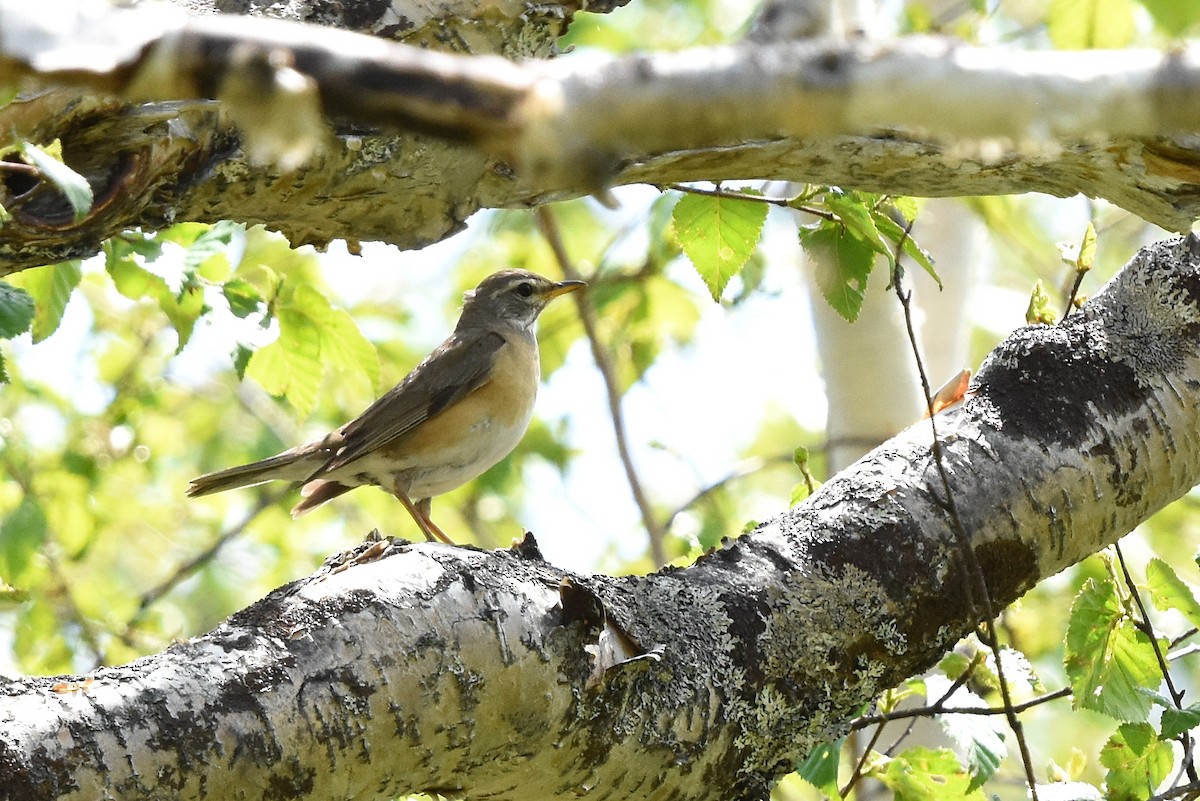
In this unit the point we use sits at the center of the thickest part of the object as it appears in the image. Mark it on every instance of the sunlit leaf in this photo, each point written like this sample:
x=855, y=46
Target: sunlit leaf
x=1040, y=310
x=1137, y=762
x=855, y=212
x=1108, y=660
x=74, y=186
x=290, y=367
x=51, y=287
x=131, y=279
x=1168, y=591
x=895, y=233
x=208, y=254
x=922, y=774
x=1090, y=24
x=1173, y=16
x=718, y=234
x=344, y=347
x=843, y=264
x=16, y=311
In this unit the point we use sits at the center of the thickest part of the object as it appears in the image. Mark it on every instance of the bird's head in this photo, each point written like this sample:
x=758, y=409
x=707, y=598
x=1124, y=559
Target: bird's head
x=516, y=296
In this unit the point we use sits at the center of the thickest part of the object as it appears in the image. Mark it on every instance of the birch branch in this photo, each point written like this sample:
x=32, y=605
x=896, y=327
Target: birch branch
x=914, y=116
x=442, y=669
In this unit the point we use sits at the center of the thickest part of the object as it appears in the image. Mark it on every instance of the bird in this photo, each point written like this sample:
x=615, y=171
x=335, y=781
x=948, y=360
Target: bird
x=457, y=413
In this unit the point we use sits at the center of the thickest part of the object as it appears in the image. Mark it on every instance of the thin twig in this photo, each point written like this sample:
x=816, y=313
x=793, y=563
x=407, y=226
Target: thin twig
x=938, y=709
x=587, y=315
x=782, y=202
x=974, y=570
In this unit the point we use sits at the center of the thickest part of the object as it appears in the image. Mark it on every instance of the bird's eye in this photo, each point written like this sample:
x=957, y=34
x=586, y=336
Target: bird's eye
x=525, y=289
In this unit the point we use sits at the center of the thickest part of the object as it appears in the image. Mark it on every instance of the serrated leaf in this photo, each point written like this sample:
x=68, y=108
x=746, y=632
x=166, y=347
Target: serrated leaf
x=855, y=213
x=923, y=774
x=290, y=367
x=1107, y=658
x=718, y=234
x=843, y=264
x=1090, y=24
x=1176, y=721
x=51, y=287
x=895, y=233
x=74, y=186
x=1173, y=16
x=979, y=737
x=16, y=311
x=820, y=768
x=3, y=370
x=1137, y=761
x=1168, y=591
x=343, y=346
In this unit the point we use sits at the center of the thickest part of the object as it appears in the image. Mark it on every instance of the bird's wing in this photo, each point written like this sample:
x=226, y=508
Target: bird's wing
x=458, y=367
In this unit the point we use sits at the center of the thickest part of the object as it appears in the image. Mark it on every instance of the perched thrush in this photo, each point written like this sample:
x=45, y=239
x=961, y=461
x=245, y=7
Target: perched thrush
x=460, y=411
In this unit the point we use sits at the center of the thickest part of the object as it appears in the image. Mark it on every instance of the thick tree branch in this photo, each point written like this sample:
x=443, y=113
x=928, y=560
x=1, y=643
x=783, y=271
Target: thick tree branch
x=891, y=117
x=429, y=667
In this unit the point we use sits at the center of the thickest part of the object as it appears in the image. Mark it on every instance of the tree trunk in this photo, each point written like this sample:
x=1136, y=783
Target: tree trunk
x=437, y=668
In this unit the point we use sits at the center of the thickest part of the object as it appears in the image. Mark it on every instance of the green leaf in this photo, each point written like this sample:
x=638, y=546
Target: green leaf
x=1173, y=16
x=208, y=255
x=1108, y=660
x=344, y=347
x=51, y=287
x=21, y=536
x=979, y=737
x=290, y=367
x=718, y=234
x=243, y=297
x=3, y=370
x=843, y=264
x=854, y=210
x=1090, y=24
x=1137, y=762
x=16, y=311
x=130, y=278
x=74, y=186
x=895, y=233
x=1168, y=591
x=820, y=768
x=1176, y=721
x=183, y=310
x=1040, y=311
x=922, y=774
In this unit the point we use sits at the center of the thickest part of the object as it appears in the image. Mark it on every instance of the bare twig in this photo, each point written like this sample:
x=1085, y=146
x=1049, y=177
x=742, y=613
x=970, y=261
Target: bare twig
x=973, y=569
x=727, y=194
x=940, y=709
x=587, y=314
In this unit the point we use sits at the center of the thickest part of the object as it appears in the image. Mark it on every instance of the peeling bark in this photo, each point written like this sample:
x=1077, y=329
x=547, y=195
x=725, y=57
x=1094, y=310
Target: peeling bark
x=437, y=668
x=877, y=116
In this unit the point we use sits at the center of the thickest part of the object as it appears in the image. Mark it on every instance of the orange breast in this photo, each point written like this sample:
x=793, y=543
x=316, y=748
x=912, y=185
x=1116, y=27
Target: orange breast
x=471, y=435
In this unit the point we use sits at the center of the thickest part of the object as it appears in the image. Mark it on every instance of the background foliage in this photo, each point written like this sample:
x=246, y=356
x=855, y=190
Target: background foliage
x=184, y=350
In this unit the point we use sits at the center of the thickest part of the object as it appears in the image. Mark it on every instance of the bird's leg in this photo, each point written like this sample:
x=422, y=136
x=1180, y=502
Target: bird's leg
x=420, y=515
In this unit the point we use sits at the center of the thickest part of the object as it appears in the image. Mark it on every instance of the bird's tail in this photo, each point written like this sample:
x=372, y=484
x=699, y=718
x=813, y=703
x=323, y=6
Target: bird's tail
x=288, y=466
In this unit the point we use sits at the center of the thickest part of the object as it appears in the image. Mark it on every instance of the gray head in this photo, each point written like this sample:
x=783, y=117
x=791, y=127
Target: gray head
x=516, y=296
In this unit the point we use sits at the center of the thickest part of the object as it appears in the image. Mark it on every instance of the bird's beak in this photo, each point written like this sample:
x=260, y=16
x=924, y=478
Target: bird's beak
x=563, y=287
